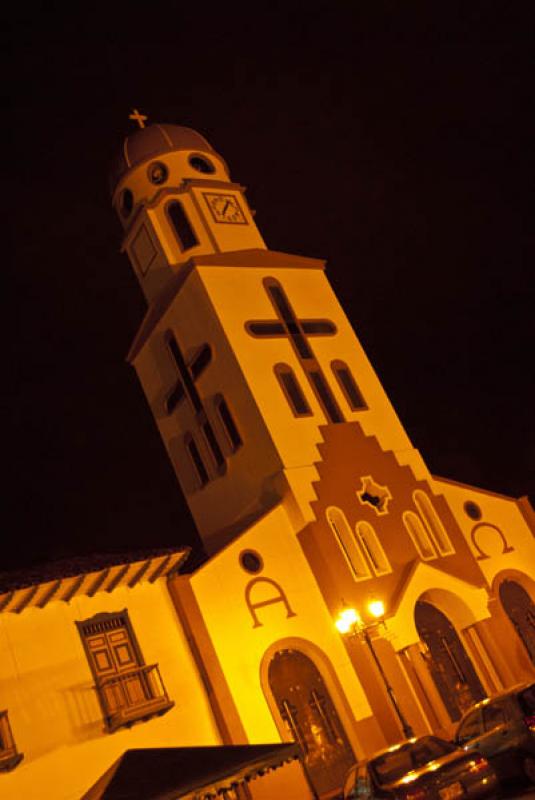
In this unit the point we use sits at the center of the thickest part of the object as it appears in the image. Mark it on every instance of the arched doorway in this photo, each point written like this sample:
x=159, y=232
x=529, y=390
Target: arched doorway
x=520, y=609
x=448, y=661
x=309, y=713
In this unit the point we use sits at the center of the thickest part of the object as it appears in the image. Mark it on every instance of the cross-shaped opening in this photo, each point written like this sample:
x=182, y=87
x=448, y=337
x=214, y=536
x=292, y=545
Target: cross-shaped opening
x=185, y=387
x=188, y=375
x=374, y=495
x=373, y=499
x=297, y=331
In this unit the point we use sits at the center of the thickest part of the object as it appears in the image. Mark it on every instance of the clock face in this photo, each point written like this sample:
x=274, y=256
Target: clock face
x=225, y=208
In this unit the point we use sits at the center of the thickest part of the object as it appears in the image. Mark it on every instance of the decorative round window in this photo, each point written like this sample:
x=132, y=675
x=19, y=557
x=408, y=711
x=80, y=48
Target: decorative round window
x=472, y=510
x=251, y=561
x=202, y=164
x=157, y=172
x=126, y=203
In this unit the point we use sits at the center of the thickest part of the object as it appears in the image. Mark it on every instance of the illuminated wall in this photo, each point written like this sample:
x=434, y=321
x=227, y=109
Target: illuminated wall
x=47, y=687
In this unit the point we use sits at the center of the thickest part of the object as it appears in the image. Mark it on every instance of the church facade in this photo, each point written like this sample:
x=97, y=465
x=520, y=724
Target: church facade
x=310, y=500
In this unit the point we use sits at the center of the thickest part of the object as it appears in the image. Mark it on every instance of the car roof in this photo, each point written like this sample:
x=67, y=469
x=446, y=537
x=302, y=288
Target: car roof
x=392, y=748
x=518, y=687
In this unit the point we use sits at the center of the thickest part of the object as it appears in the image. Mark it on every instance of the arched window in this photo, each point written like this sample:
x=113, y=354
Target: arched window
x=196, y=460
x=213, y=444
x=348, y=544
x=181, y=225
x=292, y=390
x=419, y=535
x=373, y=548
x=227, y=419
x=347, y=384
x=433, y=523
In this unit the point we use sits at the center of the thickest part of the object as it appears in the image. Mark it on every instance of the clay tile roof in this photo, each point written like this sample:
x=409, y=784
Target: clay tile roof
x=78, y=565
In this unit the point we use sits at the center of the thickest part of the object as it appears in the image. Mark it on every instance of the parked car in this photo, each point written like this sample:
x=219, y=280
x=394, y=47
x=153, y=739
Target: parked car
x=424, y=768
x=502, y=728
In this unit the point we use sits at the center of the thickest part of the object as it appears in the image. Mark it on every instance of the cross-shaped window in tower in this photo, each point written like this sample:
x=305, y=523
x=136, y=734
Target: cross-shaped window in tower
x=297, y=332
x=185, y=388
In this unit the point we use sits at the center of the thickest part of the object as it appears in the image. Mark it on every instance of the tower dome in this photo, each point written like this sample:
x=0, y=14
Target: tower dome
x=175, y=199
x=154, y=141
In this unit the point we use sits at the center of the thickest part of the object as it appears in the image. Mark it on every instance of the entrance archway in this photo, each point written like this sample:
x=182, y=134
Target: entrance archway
x=448, y=662
x=520, y=609
x=312, y=720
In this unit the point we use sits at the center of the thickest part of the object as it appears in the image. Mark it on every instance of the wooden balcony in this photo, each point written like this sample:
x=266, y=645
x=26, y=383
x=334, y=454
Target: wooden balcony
x=133, y=696
x=9, y=755
x=9, y=759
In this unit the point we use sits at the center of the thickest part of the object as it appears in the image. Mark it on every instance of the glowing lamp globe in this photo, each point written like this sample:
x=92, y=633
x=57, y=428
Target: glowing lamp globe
x=376, y=608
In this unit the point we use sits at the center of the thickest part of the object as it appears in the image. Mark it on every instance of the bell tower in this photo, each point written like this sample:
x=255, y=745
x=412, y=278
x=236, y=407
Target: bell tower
x=175, y=200
x=244, y=353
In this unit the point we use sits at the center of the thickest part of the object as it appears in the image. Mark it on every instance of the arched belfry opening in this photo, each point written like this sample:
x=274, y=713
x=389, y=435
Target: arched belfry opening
x=308, y=711
x=520, y=609
x=448, y=662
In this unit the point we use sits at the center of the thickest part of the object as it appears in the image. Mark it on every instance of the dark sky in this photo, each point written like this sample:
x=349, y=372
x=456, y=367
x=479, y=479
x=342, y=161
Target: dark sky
x=395, y=143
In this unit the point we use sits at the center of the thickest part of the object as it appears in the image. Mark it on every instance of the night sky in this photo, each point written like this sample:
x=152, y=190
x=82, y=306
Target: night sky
x=395, y=144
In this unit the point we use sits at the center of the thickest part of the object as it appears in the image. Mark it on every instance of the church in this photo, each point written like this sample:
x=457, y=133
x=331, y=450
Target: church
x=349, y=598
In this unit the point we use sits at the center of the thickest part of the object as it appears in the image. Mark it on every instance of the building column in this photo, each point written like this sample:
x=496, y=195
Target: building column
x=500, y=628
x=428, y=694
x=481, y=660
x=224, y=710
x=408, y=671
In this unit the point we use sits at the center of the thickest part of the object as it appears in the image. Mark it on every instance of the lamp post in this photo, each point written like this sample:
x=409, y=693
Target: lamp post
x=350, y=621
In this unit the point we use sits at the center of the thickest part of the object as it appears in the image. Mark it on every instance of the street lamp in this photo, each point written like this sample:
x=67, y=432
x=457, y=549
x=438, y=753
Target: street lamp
x=350, y=621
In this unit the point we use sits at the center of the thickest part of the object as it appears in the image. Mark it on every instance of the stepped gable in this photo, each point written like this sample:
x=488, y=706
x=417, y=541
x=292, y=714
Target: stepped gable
x=348, y=456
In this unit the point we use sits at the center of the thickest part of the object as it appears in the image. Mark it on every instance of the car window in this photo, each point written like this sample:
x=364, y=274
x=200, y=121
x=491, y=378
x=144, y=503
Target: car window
x=357, y=783
x=493, y=716
x=527, y=700
x=392, y=766
x=470, y=727
x=428, y=749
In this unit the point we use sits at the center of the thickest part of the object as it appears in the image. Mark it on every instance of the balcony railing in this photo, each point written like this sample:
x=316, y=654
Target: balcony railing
x=133, y=696
x=9, y=756
x=9, y=759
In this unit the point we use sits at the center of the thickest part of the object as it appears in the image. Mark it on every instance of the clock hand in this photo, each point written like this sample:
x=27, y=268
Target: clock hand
x=227, y=203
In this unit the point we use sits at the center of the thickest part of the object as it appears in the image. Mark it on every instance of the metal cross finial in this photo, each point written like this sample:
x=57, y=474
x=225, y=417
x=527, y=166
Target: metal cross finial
x=137, y=117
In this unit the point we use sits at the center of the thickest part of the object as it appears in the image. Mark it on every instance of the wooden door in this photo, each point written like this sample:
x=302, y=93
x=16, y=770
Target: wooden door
x=312, y=720
x=114, y=660
x=448, y=661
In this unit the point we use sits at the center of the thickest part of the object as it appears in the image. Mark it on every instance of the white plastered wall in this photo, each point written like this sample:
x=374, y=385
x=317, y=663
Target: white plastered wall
x=502, y=535
x=238, y=296
x=46, y=685
x=220, y=588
